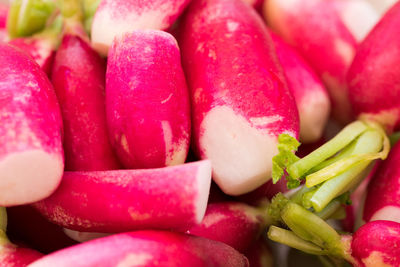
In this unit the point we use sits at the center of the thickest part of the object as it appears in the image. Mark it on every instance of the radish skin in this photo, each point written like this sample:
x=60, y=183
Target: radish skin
x=374, y=76
x=311, y=97
x=341, y=24
x=3, y=22
x=82, y=101
x=113, y=18
x=146, y=248
x=147, y=100
x=166, y=198
x=240, y=99
x=30, y=131
x=233, y=223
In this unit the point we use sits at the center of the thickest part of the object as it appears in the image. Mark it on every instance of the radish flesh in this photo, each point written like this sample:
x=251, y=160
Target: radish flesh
x=30, y=131
x=147, y=100
x=240, y=99
x=165, y=198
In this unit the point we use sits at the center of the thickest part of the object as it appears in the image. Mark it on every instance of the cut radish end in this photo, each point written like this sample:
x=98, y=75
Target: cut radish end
x=29, y=176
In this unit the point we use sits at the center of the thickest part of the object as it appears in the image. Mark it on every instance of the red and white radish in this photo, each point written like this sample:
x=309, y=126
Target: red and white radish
x=31, y=154
x=166, y=198
x=78, y=77
x=311, y=97
x=383, y=195
x=240, y=98
x=147, y=102
x=327, y=39
x=116, y=17
x=382, y=5
x=374, y=76
x=233, y=223
x=146, y=248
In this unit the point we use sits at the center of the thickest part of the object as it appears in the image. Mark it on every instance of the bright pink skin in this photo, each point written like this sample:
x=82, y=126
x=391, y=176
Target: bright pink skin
x=13, y=256
x=377, y=244
x=27, y=225
x=233, y=223
x=383, y=196
x=240, y=99
x=374, y=76
x=113, y=18
x=146, y=248
x=322, y=39
x=256, y=4
x=166, y=198
x=147, y=100
x=3, y=21
x=259, y=254
x=79, y=81
x=311, y=97
x=40, y=49
x=30, y=131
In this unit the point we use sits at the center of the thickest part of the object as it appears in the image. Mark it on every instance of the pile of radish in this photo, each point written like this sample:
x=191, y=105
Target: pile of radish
x=199, y=132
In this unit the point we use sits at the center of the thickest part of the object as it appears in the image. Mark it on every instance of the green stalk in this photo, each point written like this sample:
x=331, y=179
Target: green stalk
x=29, y=16
x=329, y=149
x=3, y=227
x=89, y=9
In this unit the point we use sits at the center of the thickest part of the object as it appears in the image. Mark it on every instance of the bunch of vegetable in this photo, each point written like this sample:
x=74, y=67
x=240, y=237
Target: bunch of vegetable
x=164, y=133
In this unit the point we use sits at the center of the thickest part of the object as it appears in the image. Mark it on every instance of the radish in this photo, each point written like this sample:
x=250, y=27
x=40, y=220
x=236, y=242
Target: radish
x=382, y=5
x=10, y=254
x=146, y=248
x=166, y=198
x=327, y=39
x=147, y=100
x=240, y=99
x=374, y=77
x=233, y=223
x=116, y=17
x=383, y=195
x=27, y=225
x=82, y=100
x=259, y=254
x=3, y=19
x=83, y=236
x=375, y=244
x=30, y=131
x=310, y=94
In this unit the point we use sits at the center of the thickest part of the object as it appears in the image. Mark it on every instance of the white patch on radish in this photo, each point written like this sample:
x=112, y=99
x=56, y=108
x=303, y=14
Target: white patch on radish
x=241, y=155
x=83, y=236
x=375, y=259
x=388, y=213
x=212, y=219
x=136, y=216
x=203, y=181
x=167, y=99
x=345, y=50
x=262, y=121
x=381, y=6
x=124, y=144
x=232, y=25
x=29, y=176
x=212, y=54
x=359, y=18
x=175, y=152
x=314, y=111
x=136, y=259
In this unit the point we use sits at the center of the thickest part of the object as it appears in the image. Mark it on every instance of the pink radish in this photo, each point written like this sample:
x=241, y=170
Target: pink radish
x=31, y=154
x=116, y=17
x=311, y=97
x=240, y=99
x=382, y=5
x=147, y=100
x=233, y=223
x=259, y=254
x=146, y=248
x=327, y=39
x=3, y=22
x=383, y=196
x=10, y=254
x=166, y=198
x=374, y=77
x=27, y=225
x=82, y=101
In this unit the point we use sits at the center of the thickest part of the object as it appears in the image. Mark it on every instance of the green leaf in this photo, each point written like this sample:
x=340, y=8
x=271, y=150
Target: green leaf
x=287, y=146
x=278, y=202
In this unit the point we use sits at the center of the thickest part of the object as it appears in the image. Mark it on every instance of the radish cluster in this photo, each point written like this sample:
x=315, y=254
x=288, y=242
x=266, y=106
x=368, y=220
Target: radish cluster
x=160, y=133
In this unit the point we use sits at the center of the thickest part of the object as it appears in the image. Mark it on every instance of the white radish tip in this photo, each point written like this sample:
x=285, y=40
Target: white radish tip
x=203, y=179
x=29, y=176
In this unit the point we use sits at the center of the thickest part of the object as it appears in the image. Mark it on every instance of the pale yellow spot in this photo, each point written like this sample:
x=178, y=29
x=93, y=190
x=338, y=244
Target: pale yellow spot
x=375, y=259
x=135, y=259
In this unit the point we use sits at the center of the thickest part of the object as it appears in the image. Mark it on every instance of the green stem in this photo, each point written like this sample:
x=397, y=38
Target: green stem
x=330, y=210
x=288, y=238
x=3, y=226
x=29, y=16
x=89, y=9
x=329, y=149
